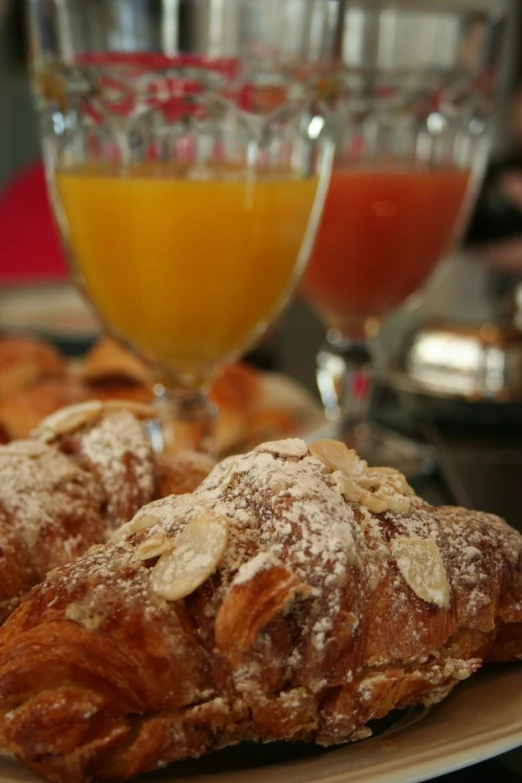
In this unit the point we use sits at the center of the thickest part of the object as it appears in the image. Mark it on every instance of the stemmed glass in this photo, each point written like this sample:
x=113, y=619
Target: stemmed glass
x=187, y=167
x=410, y=105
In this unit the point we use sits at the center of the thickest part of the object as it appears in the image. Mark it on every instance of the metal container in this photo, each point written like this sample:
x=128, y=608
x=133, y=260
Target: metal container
x=480, y=363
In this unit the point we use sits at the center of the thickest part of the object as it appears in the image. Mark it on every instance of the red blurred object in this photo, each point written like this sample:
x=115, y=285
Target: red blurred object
x=30, y=249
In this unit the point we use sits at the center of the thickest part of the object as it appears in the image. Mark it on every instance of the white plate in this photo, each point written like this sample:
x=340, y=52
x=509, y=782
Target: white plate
x=481, y=719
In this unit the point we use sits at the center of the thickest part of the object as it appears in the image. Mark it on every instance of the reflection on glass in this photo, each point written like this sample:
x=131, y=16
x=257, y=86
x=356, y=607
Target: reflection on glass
x=186, y=162
x=410, y=106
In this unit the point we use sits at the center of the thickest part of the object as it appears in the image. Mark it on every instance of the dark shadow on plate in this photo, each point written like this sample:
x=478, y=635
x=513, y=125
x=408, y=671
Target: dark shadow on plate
x=253, y=755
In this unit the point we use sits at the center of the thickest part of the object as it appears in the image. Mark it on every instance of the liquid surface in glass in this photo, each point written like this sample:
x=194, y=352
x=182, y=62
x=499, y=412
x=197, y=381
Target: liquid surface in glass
x=381, y=235
x=187, y=266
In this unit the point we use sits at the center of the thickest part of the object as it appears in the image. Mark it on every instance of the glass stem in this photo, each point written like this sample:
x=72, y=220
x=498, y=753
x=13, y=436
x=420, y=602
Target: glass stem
x=188, y=419
x=346, y=370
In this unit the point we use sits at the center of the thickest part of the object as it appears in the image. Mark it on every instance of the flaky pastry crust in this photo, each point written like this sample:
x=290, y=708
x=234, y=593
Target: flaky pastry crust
x=25, y=360
x=294, y=595
x=86, y=471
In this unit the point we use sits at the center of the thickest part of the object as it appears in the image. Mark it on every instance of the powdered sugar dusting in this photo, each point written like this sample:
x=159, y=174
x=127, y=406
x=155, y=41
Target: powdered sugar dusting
x=68, y=419
x=86, y=470
x=111, y=443
x=50, y=512
x=380, y=602
x=38, y=483
x=306, y=524
x=108, y=446
x=260, y=562
x=293, y=447
x=283, y=507
x=480, y=546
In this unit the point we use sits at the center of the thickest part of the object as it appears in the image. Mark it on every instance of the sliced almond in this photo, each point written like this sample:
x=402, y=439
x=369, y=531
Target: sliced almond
x=353, y=492
x=378, y=491
x=140, y=523
x=382, y=500
x=373, y=501
x=68, y=420
x=291, y=447
x=154, y=546
x=397, y=505
x=74, y=417
x=386, y=477
x=337, y=456
x=138, y=409
x=27, y=448
x=420, y=562
x=349, y=488
x=391, y=487
x=198, y=552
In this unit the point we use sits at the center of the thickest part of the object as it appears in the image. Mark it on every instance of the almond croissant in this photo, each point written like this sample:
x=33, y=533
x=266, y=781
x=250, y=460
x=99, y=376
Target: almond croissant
x=297, y=594
x=86, y=471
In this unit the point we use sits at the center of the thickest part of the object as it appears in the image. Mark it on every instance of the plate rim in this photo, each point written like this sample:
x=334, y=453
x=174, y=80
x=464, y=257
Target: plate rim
x=395, y=761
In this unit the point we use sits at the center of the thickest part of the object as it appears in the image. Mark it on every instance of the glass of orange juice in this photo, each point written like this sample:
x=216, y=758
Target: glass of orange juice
x=411, y=105
x=186, y=164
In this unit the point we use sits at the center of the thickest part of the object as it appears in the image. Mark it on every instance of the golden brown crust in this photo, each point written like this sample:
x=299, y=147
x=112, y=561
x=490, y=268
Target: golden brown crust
x=109, y=362
x=86, y=471
x=318, y=616
x=36, y=381
x=111, y=372
x=22, y=410
x=177, y=474
x=249, y=606
x=112, y=444
x=25, y=360
x=234, y=392
x=50, y=513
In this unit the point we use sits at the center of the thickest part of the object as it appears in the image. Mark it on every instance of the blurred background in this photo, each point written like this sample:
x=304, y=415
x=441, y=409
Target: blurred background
x=18, y=137
x=471, y=311
x=467, y=287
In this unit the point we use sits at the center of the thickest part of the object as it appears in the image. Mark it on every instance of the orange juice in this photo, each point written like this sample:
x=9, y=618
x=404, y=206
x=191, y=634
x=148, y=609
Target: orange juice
x=381, y=235
x=188, y=270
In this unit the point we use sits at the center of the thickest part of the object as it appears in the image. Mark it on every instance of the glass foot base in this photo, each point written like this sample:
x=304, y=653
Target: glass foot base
x=381, y=447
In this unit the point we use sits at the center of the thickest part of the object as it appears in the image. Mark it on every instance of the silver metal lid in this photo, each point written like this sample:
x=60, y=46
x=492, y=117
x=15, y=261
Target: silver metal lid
x=477, y=363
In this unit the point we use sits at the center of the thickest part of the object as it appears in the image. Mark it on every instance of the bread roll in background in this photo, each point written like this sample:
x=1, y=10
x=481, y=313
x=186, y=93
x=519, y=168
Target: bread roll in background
x=25, y=360
x=86, y=470
x=22, y=410
x=36, y=380
x=112, y=372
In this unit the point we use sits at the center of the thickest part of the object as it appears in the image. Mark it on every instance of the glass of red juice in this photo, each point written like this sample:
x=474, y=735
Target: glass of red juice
x=410, y=102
